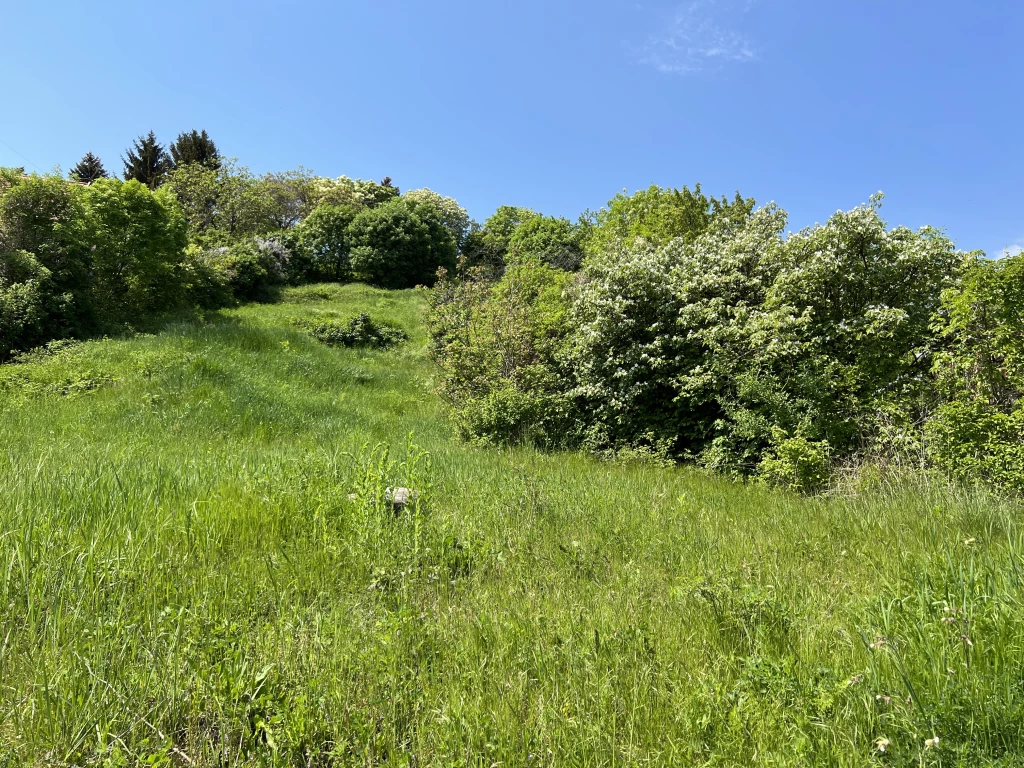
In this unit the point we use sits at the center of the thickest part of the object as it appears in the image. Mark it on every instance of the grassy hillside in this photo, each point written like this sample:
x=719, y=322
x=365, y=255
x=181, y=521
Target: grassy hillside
x=198, y=567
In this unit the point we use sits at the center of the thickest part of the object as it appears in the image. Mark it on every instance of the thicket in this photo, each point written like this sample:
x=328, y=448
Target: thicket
x=190, y=229
x=696, y=329
x=359, y=331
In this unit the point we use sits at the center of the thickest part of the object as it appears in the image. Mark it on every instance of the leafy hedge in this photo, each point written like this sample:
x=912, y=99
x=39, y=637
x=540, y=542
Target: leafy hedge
x=698, y=329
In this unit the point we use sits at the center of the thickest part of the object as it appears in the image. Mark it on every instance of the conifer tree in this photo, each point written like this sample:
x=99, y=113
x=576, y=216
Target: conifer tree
x=195, y=147
x=146, y=161
x=89, y=169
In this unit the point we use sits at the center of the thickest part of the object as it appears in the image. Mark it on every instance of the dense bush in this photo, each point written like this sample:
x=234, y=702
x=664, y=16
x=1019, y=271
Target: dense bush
x=47, y=217
x=253, y=270
x=499, y=349
x=657, y=215
x=698, y=328
x=400, y=244
x=358, y=331
x=555, y=241
x=452, y=215
x=26, y=302
x=978, y=430
x=323, y=243
x=138, y=241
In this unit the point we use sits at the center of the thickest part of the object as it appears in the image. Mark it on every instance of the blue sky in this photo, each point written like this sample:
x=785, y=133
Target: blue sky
x=553, y=104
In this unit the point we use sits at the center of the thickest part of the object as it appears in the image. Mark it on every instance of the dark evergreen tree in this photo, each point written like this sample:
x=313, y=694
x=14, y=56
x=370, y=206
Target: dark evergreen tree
x=89, y=169
x=195, y=147
x=147, y=161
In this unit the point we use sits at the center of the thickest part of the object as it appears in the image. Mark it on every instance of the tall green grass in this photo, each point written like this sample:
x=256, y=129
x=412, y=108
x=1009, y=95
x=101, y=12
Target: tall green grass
x=198, y=566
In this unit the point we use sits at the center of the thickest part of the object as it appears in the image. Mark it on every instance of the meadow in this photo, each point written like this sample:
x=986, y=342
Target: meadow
x=199, y=567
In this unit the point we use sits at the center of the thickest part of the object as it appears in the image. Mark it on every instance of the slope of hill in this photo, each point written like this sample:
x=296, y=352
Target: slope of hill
x=200, y=567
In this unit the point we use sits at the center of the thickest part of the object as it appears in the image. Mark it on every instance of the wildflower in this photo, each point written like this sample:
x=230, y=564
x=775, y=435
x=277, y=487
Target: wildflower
x=881, y=744
x=932, y=742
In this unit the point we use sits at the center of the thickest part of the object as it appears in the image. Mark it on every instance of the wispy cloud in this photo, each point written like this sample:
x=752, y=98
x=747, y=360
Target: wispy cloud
x=1012, y=250
x=701, y=35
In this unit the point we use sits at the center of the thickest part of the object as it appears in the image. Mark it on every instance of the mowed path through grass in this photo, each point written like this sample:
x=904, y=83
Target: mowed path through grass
x=199, y=568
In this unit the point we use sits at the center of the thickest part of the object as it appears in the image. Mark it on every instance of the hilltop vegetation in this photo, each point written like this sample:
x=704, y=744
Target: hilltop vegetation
x=200, y=568
x=687, y=489
x=695, y=330
x=669, y=322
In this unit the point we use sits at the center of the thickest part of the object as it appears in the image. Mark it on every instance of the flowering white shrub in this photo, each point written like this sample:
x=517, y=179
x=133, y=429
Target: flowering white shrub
x=452, y=215
x=735, y=344
x=744, y=339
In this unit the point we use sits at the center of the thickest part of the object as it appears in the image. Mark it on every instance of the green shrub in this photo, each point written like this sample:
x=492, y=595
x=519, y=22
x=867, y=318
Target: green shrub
x=977, y=433
x=400, y=244
x=46, y=217
x=697, y=326
x=659, y=215
x=253, y=270
x=26, y=301
x=139, y=239
x=554, y=241
x=322, y=242
x=718, y=342
x=358, y=331
x=498, y=347
x=796, y=464
x=204, y=285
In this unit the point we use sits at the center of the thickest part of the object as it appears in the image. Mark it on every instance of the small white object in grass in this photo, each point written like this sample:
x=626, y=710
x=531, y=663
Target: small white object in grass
x=929, y=743
x=400, y=497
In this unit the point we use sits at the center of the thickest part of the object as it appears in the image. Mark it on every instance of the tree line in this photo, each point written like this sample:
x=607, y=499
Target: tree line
x=189, y=228
x=148, y=162
x=675, y=326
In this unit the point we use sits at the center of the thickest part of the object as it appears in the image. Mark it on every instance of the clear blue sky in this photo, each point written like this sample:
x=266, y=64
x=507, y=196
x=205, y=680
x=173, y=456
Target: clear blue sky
x=553, y=104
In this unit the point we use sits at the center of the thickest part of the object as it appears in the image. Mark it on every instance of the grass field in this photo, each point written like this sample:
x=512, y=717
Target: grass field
x=198, y=568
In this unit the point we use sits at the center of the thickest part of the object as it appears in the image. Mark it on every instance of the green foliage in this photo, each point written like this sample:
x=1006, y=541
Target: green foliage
x=46, y=217
x=223, y=205
x=555, y=241
x=203, y=567
x=452, y=215
x=254, y=270
x=488, y=247
x=194, y=147
x=88, y=169
x=697, y=328
x=498, y=349
x=290, y=196
x=146, y=161
x=400, y=244
x=358, y=331
x=722, y=342
x=655, y=330
x=796, y=464
x=204, y=286
x=322, y=240
x=658, y=215
x=25, y=302
x=138, y=240
x=978, y=430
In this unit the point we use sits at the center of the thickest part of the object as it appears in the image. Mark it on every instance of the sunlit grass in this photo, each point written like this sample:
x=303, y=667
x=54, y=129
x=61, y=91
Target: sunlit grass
x=199, y=568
